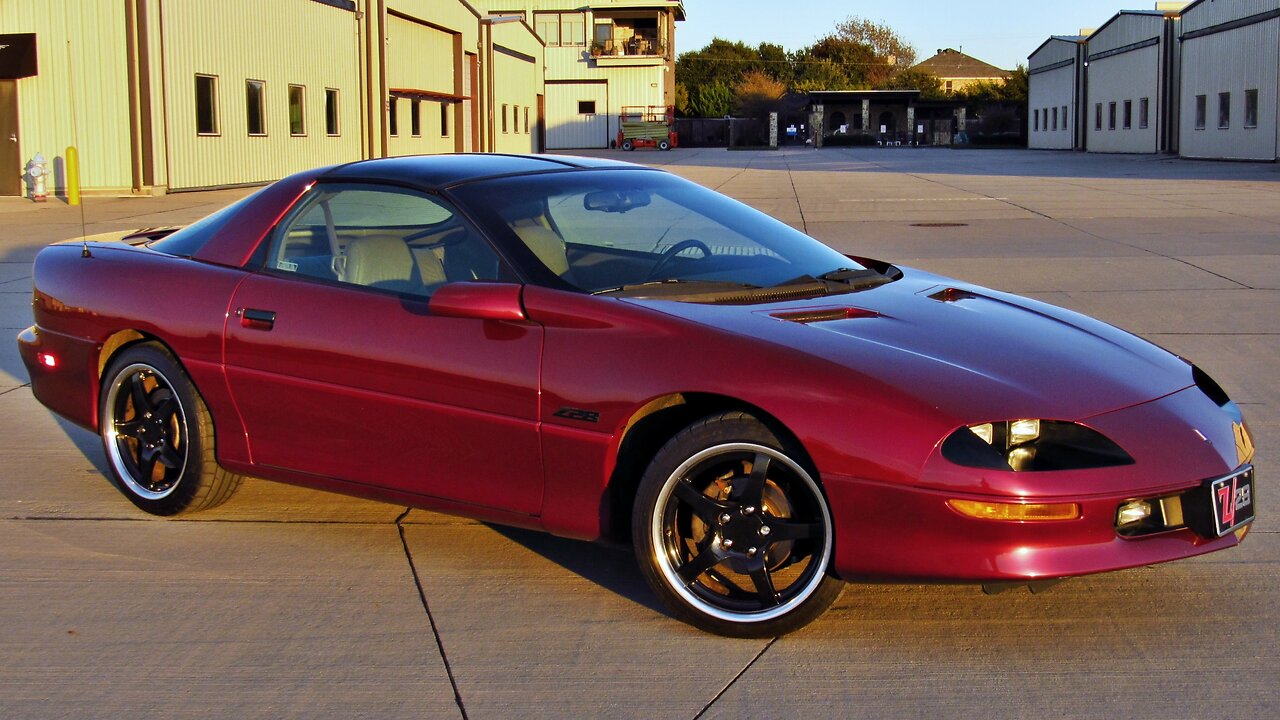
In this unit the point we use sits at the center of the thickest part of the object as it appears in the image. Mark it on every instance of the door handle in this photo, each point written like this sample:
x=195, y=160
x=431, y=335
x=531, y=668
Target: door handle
x=13, y=137
x=257, y=319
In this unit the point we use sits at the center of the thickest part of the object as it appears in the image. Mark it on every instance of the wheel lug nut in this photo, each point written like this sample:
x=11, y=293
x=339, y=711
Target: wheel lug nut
x=764, y=530
x=751, y=552
x=726, y=544
x=725, y=518
x=748, y=509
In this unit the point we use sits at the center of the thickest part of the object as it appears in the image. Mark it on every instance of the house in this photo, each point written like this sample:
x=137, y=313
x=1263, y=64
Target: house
x=958, y=71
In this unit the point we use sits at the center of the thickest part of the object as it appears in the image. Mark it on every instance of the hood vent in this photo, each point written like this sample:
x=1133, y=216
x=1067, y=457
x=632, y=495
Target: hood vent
x=815, y=315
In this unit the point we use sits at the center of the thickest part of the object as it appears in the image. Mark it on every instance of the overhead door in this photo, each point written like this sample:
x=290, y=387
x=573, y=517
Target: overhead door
x=577, y=115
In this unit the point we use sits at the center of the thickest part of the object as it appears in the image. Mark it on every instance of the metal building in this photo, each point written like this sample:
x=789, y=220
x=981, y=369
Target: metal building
x=601, y=56
x=1131, y=84
x=159, y=96
x=1230, y=80
x=1056, y=78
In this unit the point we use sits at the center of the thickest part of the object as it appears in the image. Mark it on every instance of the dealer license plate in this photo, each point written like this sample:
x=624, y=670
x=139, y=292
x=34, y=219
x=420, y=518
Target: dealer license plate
x=1232, y=500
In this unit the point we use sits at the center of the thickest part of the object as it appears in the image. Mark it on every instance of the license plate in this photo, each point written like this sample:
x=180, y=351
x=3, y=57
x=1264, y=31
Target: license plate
x=1232, y=501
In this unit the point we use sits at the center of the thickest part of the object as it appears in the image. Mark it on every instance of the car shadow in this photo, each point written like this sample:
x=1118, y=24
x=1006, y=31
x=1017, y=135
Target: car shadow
x=610, y=567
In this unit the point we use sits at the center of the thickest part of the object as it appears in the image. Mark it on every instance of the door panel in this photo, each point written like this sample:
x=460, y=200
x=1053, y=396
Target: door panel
x=567, y=125
x=10, y=149
x=369, y=387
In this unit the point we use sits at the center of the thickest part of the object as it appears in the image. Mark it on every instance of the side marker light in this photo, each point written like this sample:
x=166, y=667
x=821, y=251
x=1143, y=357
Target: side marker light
x=47, y=360
x=1015, y=512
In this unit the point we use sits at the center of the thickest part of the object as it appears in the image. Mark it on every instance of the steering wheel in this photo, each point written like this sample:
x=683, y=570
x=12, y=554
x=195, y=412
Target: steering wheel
x=673, y=251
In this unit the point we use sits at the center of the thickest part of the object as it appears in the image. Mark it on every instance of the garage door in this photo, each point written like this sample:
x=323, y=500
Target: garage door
x=577, y=115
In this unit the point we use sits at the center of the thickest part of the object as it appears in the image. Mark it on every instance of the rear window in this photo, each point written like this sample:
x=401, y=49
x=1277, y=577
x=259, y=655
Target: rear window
x=188, y=241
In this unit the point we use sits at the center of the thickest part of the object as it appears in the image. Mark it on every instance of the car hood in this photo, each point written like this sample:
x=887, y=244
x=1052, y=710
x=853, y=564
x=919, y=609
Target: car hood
x=976, y=354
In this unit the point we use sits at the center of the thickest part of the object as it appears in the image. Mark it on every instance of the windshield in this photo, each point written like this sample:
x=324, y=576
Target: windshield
x=640, y=232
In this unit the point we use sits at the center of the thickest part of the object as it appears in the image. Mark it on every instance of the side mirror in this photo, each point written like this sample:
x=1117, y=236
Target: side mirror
x=478, y=300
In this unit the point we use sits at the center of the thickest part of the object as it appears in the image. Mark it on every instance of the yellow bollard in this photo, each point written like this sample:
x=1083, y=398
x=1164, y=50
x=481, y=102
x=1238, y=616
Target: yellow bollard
x=73, y=176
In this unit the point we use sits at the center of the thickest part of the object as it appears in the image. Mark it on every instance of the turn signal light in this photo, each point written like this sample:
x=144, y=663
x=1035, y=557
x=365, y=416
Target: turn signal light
x=1015, y=512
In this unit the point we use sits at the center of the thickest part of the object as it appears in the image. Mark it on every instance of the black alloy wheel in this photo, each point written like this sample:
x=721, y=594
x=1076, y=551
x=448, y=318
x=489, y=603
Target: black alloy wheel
x=733, y=533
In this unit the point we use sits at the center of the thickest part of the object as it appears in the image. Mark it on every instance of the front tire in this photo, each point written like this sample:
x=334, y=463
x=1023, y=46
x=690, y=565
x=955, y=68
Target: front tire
x=628, y=146
x=733, y=533
x=158, y=435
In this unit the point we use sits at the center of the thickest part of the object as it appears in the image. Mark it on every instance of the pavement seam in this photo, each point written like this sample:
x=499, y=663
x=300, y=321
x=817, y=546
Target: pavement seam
x=435, y=630
x=804, y=224
x=741, y=672
x=6, y=392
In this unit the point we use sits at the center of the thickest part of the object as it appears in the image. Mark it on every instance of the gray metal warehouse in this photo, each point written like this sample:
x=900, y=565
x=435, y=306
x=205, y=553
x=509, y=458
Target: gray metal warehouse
x=1230, y=83
x=1057, y=76
x=1132, y=83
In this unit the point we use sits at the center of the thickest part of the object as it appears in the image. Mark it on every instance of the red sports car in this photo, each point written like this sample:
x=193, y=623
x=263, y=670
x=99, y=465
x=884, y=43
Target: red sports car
x=605, y=351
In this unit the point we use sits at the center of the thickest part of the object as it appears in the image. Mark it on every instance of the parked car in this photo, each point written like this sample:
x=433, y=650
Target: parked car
x=606, y=351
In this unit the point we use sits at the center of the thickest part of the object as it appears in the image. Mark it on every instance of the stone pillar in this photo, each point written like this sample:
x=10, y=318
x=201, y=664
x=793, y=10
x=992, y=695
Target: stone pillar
x=911, y=124
x=773, y=129
x=816, y=124
x=866, y=115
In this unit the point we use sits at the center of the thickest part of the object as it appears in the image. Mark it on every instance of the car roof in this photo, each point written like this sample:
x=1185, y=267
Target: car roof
x=437, y=171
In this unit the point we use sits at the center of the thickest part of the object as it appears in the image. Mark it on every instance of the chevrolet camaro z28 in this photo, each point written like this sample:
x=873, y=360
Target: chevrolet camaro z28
x=605, y=351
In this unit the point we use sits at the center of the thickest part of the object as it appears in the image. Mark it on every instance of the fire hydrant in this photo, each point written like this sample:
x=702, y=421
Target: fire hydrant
x=36, y=171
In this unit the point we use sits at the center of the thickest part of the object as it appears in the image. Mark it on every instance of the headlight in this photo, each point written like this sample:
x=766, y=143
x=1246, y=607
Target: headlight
x=1032, y=445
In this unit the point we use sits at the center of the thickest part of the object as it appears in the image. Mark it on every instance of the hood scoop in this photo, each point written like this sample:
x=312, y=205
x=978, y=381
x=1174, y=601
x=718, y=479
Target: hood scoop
x=817, y=315
x=949, y=295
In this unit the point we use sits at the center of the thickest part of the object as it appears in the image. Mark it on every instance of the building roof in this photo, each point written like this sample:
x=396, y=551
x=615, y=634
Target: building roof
x=950, y=63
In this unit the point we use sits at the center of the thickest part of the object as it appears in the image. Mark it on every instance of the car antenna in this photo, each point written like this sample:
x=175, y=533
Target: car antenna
x=75, y=135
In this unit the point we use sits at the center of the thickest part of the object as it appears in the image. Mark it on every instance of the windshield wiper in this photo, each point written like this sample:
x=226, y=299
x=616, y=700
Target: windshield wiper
x=709, y=284
x=840, y=280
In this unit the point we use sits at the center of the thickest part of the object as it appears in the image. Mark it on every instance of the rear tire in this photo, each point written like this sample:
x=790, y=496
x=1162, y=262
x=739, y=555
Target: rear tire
x=732, y=532
x=158, y=435
x=628, y=145
x=664, y=144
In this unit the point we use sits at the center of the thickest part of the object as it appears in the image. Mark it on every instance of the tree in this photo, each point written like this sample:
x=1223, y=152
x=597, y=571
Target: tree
x=929, y=85
x=712, y=100
x=757, y=95
x=883, y=40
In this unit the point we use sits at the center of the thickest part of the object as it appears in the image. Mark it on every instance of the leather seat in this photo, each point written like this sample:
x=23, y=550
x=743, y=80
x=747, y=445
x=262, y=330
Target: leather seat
x=387, y=263
x=547, y=246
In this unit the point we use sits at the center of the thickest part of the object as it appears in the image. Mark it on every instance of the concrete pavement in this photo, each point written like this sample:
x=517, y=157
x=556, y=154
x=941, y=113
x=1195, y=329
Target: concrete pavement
x=294, y=603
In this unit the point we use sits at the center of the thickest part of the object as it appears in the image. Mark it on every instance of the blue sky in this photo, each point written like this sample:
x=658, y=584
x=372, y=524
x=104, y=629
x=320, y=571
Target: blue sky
x=1001, y=33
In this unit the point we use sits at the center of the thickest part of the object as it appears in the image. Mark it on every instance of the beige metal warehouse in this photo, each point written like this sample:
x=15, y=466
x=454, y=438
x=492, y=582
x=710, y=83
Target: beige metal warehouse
x=159, y=96
x=601, y=56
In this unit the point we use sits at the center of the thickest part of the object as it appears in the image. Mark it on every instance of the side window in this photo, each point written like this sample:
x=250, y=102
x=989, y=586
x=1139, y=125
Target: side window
x=380, y=237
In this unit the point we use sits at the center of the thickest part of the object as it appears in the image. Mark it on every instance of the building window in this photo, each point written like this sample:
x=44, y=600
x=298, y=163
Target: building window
x=444, y=119
x=586, y=107
x=1111, y=116
x=297, y=118
x=1224, y=110
x=1097, y=116
x=1035, y=119
x=949, y=87
x=1251, y=108
x=393, y=119
x=255, y=96
x=1064, y=117
x=331, y=112
x=515, y=119
x=526, y=120
x=504, y=118
x=1128, y=114
x=206, y=105
x=1055, y=118
x=1144, y=113
x=561, y=29
x=415, y=117
x=1201, y=111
